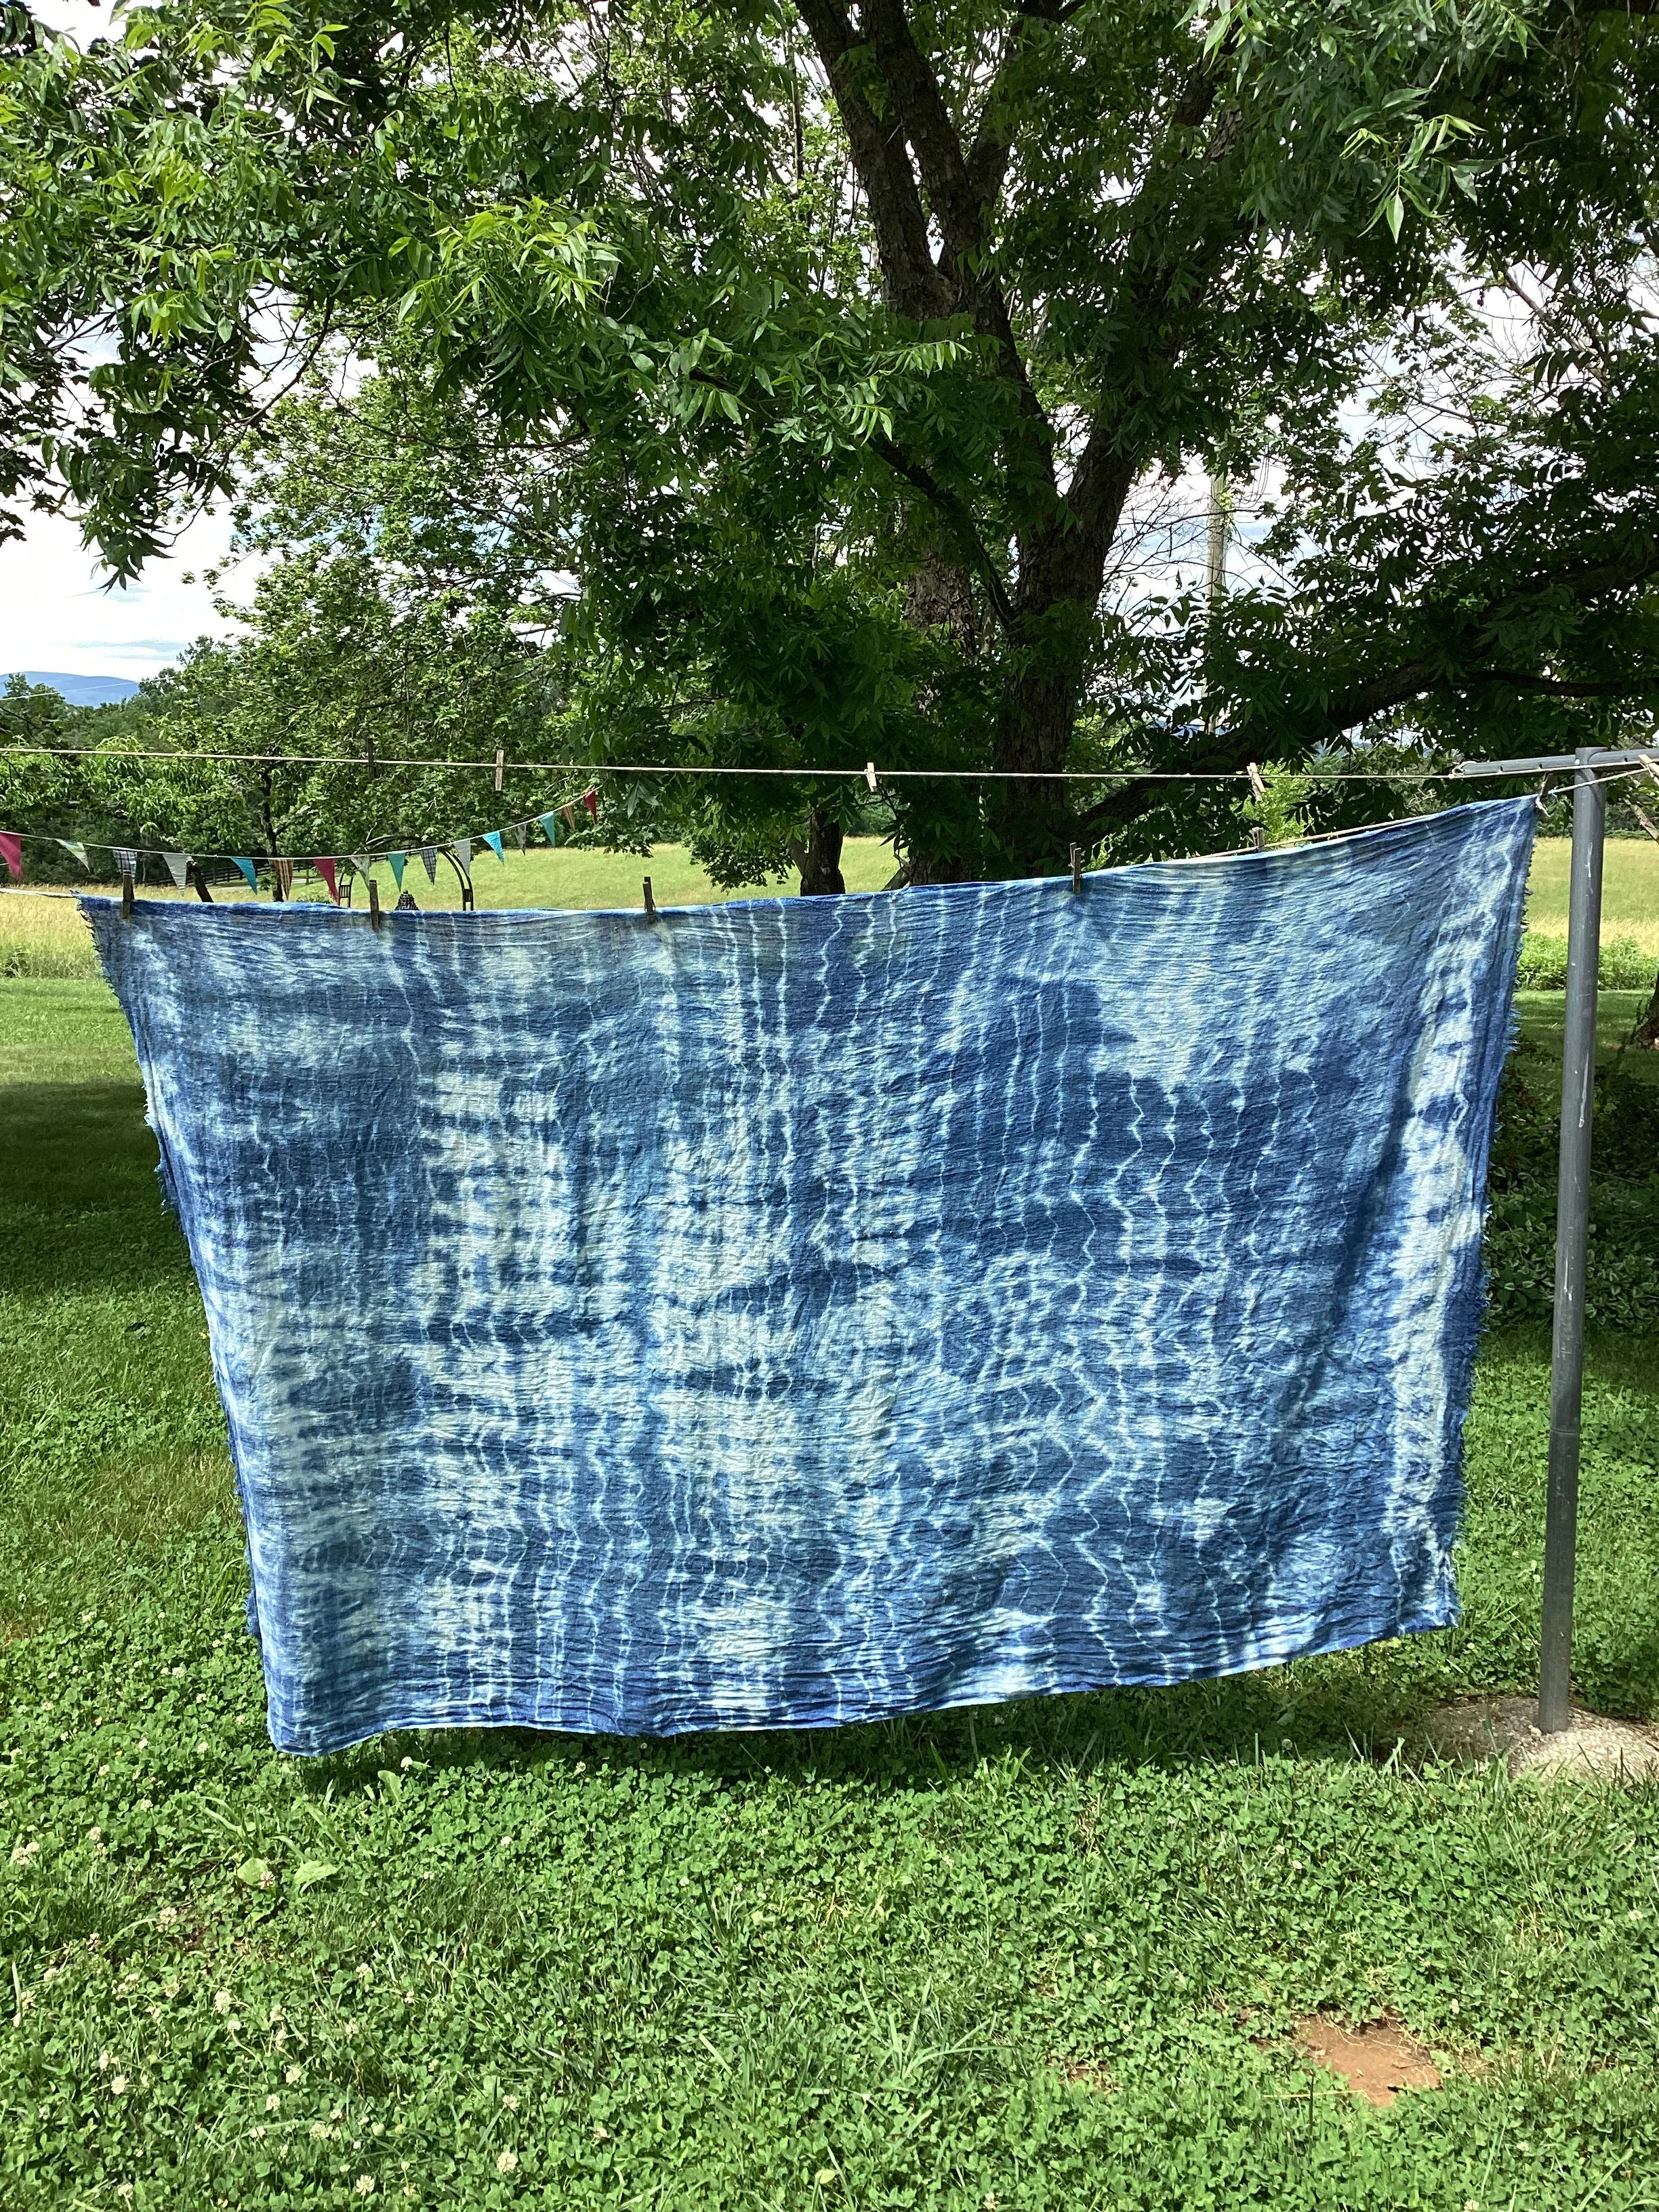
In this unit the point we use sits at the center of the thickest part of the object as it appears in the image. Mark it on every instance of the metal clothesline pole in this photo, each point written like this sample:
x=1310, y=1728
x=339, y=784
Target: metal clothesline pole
x=1589, y=820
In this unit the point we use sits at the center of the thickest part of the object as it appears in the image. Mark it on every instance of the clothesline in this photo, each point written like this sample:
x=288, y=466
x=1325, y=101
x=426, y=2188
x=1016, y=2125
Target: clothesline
x=869, y=774
x=180, y=859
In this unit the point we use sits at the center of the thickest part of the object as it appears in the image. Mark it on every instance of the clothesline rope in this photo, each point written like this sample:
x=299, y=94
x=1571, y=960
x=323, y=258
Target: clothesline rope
x=375, y=761
x=374, y=853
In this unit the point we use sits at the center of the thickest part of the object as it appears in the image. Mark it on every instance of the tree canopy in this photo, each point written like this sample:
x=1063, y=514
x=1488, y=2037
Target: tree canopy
x=832, y=380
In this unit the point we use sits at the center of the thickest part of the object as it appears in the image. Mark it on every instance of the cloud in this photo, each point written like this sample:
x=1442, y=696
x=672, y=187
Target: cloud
x=55, y=611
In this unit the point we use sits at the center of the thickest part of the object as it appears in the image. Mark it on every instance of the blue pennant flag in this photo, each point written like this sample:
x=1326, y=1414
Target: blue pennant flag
x=550, y=824
x=249, y=870
x=492, y=838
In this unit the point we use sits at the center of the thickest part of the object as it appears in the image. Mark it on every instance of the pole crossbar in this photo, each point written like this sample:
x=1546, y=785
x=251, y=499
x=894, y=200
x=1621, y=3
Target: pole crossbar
x=1559, y=763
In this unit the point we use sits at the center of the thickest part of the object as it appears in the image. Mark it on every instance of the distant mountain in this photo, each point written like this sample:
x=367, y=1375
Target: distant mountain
x=84, y=690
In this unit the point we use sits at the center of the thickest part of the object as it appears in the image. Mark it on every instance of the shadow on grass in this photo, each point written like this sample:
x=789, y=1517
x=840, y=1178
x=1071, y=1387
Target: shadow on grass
x=80, y=1202
x=1343, y=1708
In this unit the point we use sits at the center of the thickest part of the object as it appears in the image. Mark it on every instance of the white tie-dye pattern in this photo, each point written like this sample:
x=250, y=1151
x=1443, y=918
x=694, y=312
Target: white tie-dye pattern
x=807, y=1310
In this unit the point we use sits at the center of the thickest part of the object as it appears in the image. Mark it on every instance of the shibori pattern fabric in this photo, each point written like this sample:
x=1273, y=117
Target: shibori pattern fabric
x=811, y=1310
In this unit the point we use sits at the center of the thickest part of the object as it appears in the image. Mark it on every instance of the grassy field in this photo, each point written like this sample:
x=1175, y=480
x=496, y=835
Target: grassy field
x=1040, y=1959
x=1630, y=892
x=44, y=937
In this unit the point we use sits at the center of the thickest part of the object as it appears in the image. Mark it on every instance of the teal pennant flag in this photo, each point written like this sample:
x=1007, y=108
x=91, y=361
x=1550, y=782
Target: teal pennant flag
x=492, y=838
x=72, y=846
x=550, y=824
x=249, y=870
x=398, y=861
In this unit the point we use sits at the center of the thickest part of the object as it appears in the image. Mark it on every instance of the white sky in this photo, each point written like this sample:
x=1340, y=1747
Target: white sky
x=54, y=613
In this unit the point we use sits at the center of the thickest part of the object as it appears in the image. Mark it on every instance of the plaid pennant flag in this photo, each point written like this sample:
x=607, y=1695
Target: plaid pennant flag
x=429, y=862
x=126, y=859
x=462, y=848
x=284, y=871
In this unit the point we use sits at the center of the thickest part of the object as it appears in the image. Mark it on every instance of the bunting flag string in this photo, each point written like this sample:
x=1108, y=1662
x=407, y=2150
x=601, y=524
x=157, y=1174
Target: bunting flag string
x=326, y=865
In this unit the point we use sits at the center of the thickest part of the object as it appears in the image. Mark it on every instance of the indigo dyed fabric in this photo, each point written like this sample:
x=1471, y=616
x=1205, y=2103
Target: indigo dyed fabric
x=814, y=1309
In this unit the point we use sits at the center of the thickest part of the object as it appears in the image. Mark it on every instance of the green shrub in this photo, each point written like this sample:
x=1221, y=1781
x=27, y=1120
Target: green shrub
x=1624, y=964
x=1622, y=1274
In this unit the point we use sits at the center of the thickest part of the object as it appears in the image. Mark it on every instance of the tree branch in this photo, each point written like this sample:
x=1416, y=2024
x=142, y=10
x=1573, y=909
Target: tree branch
x=1425, y=673
x=956, y=513
x=913, y=284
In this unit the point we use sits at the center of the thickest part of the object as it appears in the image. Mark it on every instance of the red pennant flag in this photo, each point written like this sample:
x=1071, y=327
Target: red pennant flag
x=12, y=849
x=590, y=801
x=325, y=869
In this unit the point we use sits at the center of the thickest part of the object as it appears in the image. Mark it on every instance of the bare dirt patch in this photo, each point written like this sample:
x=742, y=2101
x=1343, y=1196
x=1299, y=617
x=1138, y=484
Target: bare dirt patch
x=1592, y=1748
x=1377, y=2061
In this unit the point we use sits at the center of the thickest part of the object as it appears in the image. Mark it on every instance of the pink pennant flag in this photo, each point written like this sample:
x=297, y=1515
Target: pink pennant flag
x=11, y=850
x=325, y=868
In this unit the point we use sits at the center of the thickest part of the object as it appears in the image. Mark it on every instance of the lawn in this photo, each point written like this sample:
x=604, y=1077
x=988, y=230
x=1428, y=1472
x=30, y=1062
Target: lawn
x=45, y=937
x=1045, y=1955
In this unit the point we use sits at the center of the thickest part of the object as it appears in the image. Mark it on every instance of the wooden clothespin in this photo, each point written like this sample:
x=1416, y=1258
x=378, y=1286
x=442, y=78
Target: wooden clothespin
x=650, y=903
x=126, y=898
x=373, y=903
x=500, y=758
x=1258, y=838
x=1258, y=784
x=870, y=775
x=1076, y=868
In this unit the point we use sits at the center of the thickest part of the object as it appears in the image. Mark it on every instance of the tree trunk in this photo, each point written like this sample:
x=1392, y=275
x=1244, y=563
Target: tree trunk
x=940, y=595
x=819, y=857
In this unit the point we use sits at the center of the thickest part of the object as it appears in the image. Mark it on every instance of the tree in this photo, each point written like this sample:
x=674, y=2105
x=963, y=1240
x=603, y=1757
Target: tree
x=851, y=354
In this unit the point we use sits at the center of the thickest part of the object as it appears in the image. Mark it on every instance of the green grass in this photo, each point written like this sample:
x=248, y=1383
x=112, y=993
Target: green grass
x=44, y=937
x=1042, y=1956
x=1629, y=891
